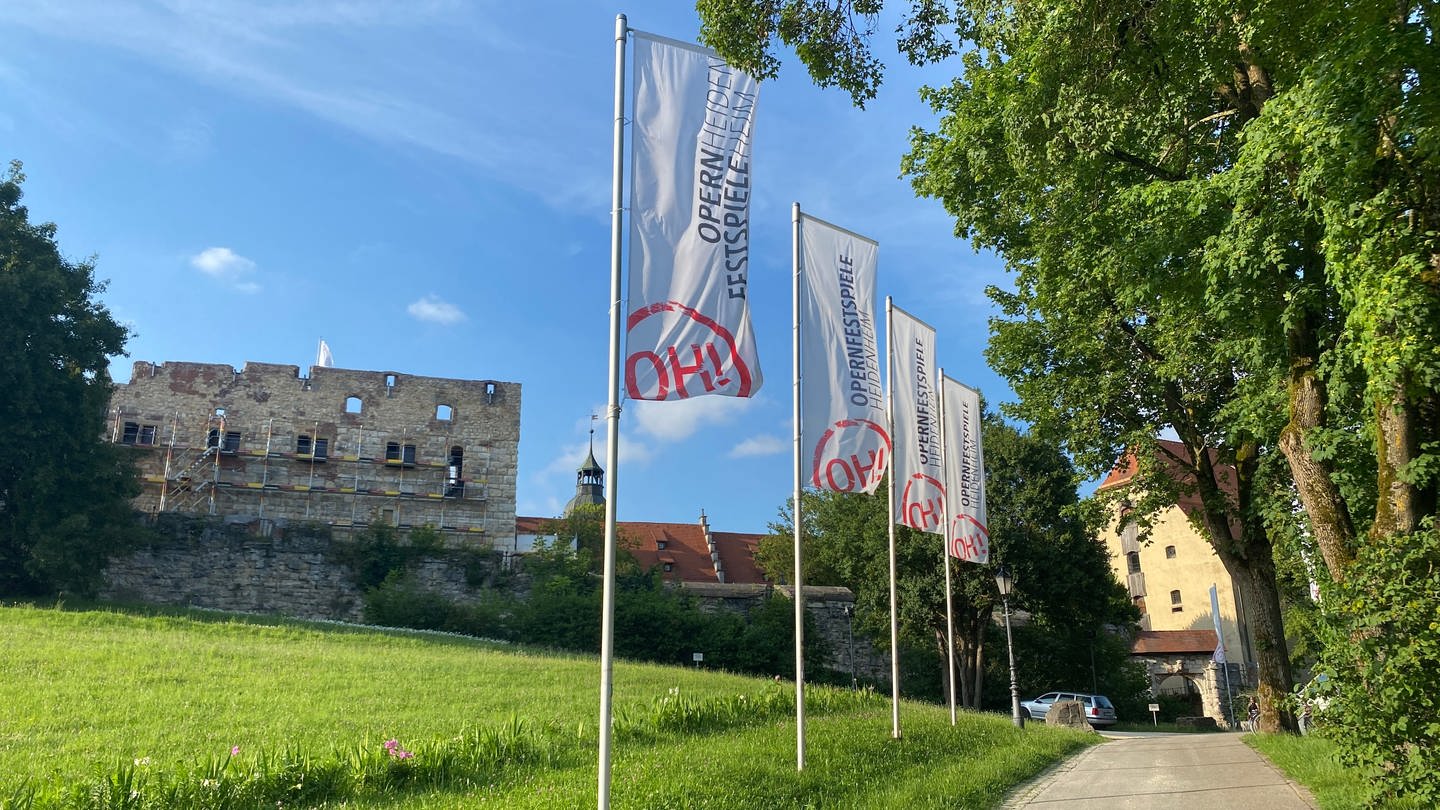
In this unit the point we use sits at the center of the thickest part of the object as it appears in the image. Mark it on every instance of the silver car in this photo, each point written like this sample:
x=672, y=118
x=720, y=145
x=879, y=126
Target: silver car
x=1099, y=711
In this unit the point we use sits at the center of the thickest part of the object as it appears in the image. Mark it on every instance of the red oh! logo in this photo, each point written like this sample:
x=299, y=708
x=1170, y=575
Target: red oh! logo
x=969, y=539
x=854, y=472
x=682, y=372
x=922, y=503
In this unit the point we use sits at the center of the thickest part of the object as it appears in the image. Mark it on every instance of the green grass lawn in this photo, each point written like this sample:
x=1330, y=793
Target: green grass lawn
x=1312, y=761
x=91, y=696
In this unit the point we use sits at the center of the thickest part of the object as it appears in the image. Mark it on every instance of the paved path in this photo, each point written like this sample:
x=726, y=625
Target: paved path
x=1171, y=771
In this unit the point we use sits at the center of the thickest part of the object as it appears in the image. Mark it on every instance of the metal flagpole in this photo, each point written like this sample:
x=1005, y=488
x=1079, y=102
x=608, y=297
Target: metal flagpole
x=894, y=599
x=612, y=432
x=796, y=512
x=949, y=629
x=945, y=556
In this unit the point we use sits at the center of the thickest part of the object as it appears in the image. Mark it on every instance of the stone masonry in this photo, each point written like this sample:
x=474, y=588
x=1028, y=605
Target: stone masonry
x=341, y=447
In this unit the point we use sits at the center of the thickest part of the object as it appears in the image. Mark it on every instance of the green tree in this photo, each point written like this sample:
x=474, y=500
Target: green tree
x=1036, y=528
x=64, y=493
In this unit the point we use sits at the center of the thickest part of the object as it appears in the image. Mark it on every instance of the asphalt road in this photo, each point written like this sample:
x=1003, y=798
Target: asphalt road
x=1158, y=770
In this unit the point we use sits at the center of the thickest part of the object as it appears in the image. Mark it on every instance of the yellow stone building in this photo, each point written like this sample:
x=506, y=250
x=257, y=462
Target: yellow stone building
x=1169, y=576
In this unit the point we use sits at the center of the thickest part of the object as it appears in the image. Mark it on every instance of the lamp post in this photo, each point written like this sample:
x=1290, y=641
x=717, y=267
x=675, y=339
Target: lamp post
x=1005, y=583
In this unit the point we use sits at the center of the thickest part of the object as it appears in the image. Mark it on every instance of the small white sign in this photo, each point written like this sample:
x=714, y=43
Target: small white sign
x=1154, y=707
x=697, y=657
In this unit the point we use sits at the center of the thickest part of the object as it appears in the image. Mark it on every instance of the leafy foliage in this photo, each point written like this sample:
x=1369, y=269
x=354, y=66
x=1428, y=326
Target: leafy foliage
x=64, y=493
x=1382, y=655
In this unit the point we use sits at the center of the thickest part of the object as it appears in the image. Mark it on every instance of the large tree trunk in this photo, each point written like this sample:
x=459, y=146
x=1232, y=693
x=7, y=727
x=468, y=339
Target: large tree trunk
x=1238, y=536
x=1329, y=515
x=1399, y=504
x=1256, y=581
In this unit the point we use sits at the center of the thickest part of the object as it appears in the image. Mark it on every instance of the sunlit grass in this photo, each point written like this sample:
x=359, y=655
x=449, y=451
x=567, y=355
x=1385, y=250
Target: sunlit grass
x=1313, y=762
x=87, y=695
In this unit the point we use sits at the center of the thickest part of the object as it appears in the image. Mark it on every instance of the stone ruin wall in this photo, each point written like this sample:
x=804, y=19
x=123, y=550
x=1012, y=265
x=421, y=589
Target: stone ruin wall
x=296, y=569
x=268, y=422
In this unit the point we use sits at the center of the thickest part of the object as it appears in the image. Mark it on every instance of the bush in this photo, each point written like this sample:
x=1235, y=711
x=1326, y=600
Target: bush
x=1382, y=656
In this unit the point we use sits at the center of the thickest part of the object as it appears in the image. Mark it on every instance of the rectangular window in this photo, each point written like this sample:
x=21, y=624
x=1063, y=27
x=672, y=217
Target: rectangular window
x=302, y=445
x=409, y=454
x=147, y=434
x=131, y=434
x=232, y=441
x=322, y=449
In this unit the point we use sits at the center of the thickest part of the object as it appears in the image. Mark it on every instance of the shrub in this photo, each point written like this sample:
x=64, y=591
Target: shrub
x=1382, y=656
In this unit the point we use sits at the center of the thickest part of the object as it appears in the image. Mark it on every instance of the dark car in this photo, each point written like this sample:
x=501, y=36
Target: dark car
x=1099, y=711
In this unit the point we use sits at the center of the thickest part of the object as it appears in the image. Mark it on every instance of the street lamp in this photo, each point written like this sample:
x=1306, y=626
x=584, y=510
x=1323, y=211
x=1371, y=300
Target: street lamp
x=1005, y=583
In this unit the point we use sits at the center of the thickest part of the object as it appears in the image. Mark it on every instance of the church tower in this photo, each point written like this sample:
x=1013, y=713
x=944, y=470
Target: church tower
x=589, y=480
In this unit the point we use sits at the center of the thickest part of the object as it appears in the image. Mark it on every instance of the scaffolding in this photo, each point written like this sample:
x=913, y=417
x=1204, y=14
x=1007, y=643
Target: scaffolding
x=206, y=458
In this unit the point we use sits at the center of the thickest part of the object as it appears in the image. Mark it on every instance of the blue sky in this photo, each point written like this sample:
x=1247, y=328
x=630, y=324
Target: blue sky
x=426, y=185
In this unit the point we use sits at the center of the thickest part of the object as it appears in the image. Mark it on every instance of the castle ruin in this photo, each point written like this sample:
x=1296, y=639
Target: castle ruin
x=341, y=447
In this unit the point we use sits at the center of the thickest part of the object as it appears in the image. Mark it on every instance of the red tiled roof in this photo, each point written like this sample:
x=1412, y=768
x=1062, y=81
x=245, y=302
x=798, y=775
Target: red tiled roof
x=1125, y=470
x=685, y=549
x=1160, y=642
x=531, y=525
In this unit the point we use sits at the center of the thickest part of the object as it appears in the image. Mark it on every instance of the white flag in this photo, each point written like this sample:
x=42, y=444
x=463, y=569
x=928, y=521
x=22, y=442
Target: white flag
x=323, y=358
x=919, y=459
x=968, y=537
x=842, y=417
x=688, y=331
x=1219, y=656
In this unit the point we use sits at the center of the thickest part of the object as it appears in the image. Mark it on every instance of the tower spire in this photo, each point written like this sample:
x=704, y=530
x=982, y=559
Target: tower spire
x=589, y=478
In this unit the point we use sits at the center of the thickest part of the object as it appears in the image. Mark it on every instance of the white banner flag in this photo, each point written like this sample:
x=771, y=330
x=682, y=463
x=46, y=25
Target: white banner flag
x=919, y=459
x=842, y=419
x=1219, y=655
x=688, y=331
x=323, y=358
x=968, y=537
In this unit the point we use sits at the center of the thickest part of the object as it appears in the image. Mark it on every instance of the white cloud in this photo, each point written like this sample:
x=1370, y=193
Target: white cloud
x=673, y=421
x=762, y=445
x=434, y=309
x=225, y=265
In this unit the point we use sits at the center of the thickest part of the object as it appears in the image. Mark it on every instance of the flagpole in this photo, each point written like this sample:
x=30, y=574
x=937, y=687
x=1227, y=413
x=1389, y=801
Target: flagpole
x=796, y=512
x=612, y=427
x=894, y=599
x=945, y=556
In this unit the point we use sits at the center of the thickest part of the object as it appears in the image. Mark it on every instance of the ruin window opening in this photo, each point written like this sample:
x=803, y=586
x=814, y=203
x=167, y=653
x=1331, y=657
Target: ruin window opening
x=131, y=434
x=147, y=434
x=303, y=445
x=212, y=439
x=353, y=405
x=454, y=482
x=1132, y=561
x=322, y=449
x=392, y=451
x=444, y=413
x=232, y=442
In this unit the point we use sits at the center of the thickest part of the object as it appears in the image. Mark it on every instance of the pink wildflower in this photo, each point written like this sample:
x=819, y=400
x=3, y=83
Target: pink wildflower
x=391, y=744
x=234, y=750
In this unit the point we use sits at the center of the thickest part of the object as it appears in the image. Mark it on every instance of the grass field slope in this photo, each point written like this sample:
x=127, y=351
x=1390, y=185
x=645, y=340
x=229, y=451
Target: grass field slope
x=111, y=709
